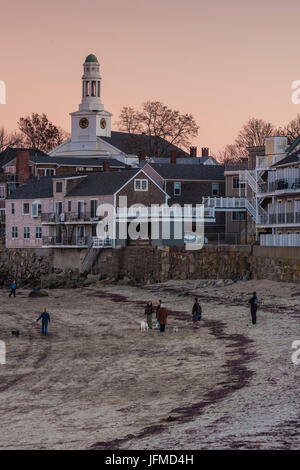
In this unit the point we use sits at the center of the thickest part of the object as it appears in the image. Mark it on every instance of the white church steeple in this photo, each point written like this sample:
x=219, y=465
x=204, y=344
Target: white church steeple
x=91, y=121
x=91, y=85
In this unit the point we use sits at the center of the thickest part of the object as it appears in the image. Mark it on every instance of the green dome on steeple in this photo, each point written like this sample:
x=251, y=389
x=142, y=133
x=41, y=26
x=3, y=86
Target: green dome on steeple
x=91, y=58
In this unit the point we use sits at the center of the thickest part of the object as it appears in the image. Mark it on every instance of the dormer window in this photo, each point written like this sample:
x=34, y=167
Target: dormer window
x=141, y=185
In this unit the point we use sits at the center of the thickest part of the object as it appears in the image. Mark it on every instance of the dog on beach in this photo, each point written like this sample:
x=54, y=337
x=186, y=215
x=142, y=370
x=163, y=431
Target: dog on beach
x=15, y=333
x=144, y=326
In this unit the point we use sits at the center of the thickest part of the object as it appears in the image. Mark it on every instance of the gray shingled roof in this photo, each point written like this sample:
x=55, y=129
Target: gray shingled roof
x=180, y=160
x=133, y=144
x=34, y=188
x=292, y=158
x=10, y=154
x=189, y=172
x=103, y=183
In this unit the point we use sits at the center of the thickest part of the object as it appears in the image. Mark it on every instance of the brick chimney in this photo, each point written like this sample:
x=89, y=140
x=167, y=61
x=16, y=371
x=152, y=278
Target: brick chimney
x=193, y=152
x=106, y=166
x=22, y=165
x=205, y=152
x=173, y=156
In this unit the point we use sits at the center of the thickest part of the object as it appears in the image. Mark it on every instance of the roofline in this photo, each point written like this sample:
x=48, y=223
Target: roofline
x=139, y=171
x=59, y=146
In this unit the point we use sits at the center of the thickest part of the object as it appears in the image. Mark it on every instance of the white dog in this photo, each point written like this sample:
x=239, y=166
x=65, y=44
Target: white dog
x=144, y=326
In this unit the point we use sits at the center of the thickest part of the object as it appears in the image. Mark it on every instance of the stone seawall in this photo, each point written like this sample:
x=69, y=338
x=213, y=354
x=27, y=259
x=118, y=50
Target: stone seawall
x=60, y=268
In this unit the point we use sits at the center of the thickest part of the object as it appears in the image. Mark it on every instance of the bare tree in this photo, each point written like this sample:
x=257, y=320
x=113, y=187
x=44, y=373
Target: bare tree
x=253, y=134
x=40, y=133
x=164, y=126
x=230, y=153
x=291, y=130
x=10, y=139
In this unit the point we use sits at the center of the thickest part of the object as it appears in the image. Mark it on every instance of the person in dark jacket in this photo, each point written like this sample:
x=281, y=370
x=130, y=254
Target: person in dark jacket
x=253, y=307
x=149, y=311
x=157, y=308
x=196, y=313
x=45, y=319
x=13, y=288
x=162, y=316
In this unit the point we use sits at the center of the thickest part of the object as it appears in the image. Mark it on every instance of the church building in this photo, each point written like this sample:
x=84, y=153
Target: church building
x=91, y=134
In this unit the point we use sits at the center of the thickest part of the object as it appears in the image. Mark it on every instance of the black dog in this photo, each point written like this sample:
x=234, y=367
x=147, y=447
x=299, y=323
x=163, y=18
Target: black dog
x=15, y=333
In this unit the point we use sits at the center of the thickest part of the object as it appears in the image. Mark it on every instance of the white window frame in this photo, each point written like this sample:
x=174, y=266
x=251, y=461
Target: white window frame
x=14, y=232
x=27, y=232
x=138, y=185
x=44, y=170
x=38, y=230
x=12, y=208
x=36, y=205
x=26, y=213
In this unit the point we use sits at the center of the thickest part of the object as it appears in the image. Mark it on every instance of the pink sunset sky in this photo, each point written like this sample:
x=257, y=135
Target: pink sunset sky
x=222, y=61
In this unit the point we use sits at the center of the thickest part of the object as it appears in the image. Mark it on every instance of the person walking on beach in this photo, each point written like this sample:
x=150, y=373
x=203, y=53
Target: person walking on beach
x=149, y=311
x=13, y=288
x=253, y=307
x=157, y=308
x=196, y=313
x=162, y=316
x=45, y=319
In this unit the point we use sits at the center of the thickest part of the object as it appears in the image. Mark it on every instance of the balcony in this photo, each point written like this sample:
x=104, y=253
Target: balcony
x=69, y=218
x=229, y=203
x=286, y=180
x=282, y=214
x=76, y=242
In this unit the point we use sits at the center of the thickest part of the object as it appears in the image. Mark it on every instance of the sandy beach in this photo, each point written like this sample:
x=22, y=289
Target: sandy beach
x=98, y=382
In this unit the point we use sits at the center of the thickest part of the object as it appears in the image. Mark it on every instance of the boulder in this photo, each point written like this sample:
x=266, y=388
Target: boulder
x=38, y=293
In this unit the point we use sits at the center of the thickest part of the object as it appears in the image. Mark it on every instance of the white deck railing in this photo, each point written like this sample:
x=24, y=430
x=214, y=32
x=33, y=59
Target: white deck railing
x=283, y=213
x=225, y=202
x=286, y=239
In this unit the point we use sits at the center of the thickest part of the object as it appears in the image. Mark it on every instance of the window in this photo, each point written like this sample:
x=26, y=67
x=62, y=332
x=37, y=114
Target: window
x=2, y=192
x=141, y=185
x=48, y=172
x=177, y=189
x=38, y=232
x=215, y=189
x=235, y=182
x=69, y=206
x=26, y=208
x=237, y=216
x=12, y=207
x=59, y=187
x=94, y=208
x=14, y=232
x=36, y=209
x=26, y=232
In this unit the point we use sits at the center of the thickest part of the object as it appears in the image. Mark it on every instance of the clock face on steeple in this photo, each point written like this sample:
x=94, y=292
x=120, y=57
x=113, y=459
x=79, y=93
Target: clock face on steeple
x=103, y=123
x=84, y=123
